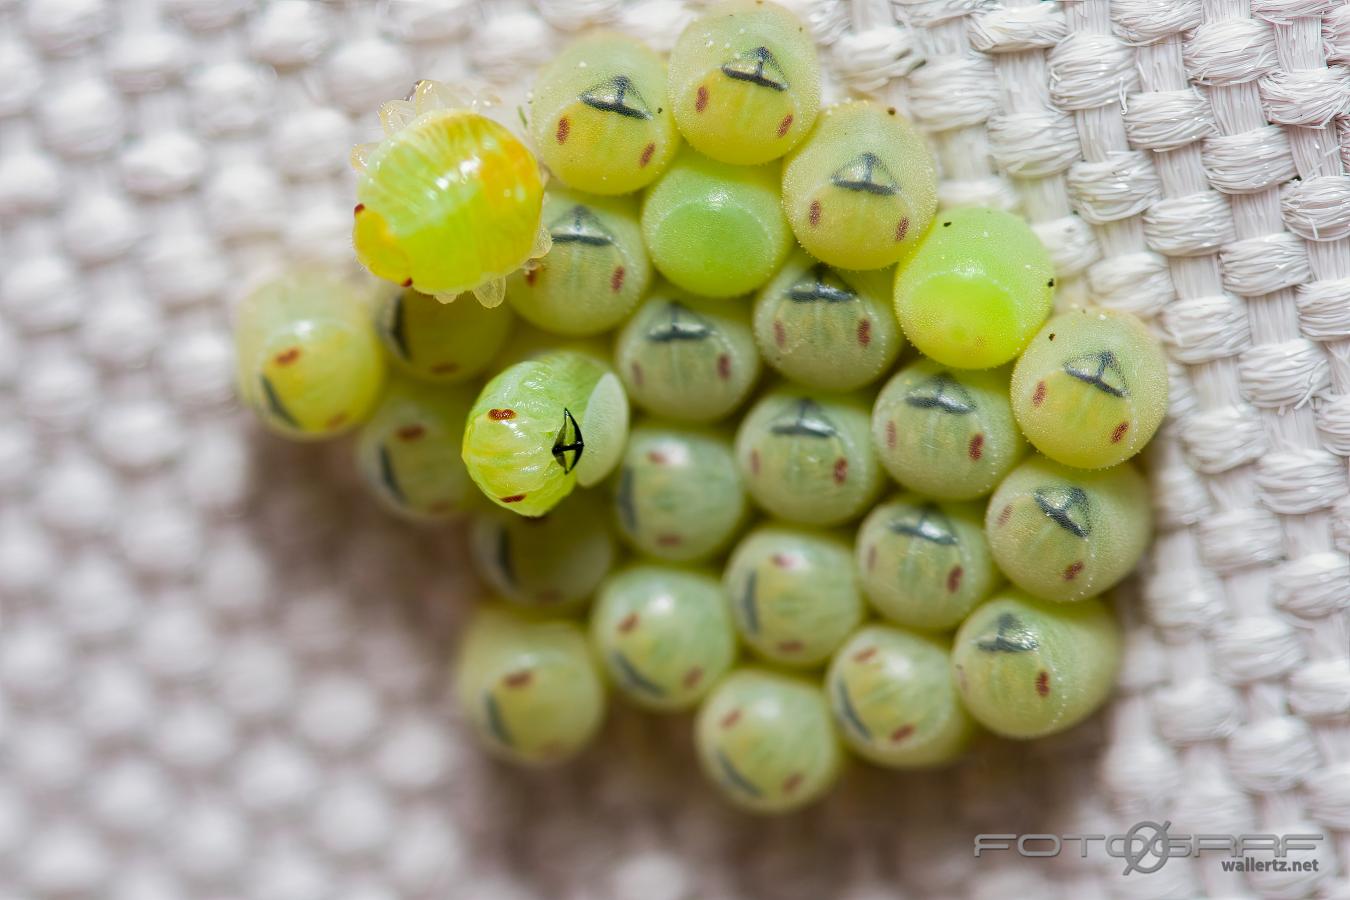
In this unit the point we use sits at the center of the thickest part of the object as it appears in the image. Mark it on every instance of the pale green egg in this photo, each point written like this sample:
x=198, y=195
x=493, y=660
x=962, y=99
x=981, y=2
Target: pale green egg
x=663, y=633
x=1027, y=668
x=765, y=740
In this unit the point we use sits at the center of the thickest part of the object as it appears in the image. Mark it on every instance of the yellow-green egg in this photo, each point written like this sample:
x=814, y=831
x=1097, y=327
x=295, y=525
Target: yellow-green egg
x=827, y=328
x=687, y=358
x=765, y=740
x=794, y=594
x=544, y=425
x=745, y=81
x=529, y=689
x=924, y=564
x=434, y=340
x=1064, y=534
x=308, y=361
x=408, y=452
x=975, y=288
x=552, y=563
x=947, y=433
x=595, y=272
x=664, y=634
x=679, y=495
x=1091, y=390
x=600, y=117
x=861, y=190
x=894, y=701
x=449, y=201
x=1026, y=668
x=714, y=228
x=807, y=457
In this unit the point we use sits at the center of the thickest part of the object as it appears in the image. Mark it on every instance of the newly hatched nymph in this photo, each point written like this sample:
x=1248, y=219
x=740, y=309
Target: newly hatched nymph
x=862, y=188
x=745, y=82
x=553, y=562
x=894, y=701
x=664, y=634
x=307, y=358
x=793, y=593
x=827, y=328
x=766, y=741
x=1091, y=390
x=1026, y=668
x=923, y=564
x=807, y=457
x=443, y=342
x=544, y=425
x=687, y=358
x=947, y=433
x=600, y=117
x=1064, y=534
x=530, y=689
x=449, y=201
x=594, y=274
x=408, y=452
x=975, y=288
x=679, y=495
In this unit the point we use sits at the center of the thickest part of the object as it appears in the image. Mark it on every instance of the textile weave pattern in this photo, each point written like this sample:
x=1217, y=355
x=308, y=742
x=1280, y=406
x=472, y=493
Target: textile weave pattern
x=222, y=667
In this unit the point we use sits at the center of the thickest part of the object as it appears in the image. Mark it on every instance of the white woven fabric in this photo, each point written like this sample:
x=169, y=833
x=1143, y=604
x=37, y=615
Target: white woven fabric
x=221, y=667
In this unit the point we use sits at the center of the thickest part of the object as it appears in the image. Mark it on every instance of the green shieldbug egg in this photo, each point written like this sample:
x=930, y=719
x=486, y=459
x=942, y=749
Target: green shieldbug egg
x=745, y=82
x=975, y=288
x=408, y=452
x=893, y=699
x=544, y=425
x=1091, y=390
x=826, y=328
x=664, y=634
x=679, y=495
x=687, y=358
x=437, y=341
x=600, y=117
x=308, y=361
x=595, y=272
x=553, y=562
x=530, y=689
x=924, y=564
x=1065, y=534
x=862, y=188
x=714, y=228
x=1026, y=668
x=449, y=201
x=766, y=741
x=946, y=433
x=808, y=457
x=793, y=593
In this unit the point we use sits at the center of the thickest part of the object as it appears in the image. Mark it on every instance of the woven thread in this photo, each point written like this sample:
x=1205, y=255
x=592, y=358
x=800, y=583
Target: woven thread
x=221, y=666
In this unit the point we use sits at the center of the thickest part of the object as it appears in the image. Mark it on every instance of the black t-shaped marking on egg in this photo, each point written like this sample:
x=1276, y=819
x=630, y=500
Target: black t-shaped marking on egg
x=1095, y=369
x=931, y=525
x=1065, y=505
x=580, y=226
x=820, y=284
x=1012, y=637
x=867, y=174
x=757, y=66
x=809, y=421
x=683, y=325
x=617, y=95
x=943, y=392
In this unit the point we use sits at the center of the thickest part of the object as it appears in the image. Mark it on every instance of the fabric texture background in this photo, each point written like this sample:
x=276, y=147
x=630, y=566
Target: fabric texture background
x=221, y=667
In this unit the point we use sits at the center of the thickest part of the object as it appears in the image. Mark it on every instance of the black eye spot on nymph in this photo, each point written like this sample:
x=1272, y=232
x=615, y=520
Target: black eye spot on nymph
x=568, y=441
x=946, y=224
